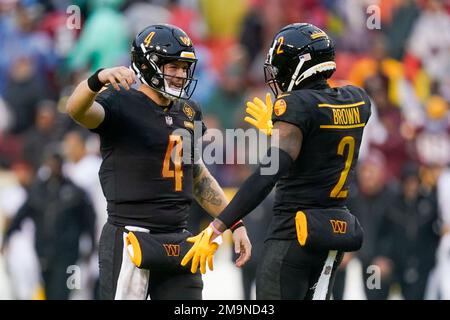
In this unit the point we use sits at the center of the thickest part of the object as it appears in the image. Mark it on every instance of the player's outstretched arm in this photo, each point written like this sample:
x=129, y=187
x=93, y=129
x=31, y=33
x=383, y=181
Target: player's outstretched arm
x=250, y=195
x=207, y=191
x=256, y=188
x=81, y=105
x=211, y=197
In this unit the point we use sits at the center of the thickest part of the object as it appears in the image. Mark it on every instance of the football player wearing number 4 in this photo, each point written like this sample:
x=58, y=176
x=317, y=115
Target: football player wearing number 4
x=147, y=185
x=320, y=130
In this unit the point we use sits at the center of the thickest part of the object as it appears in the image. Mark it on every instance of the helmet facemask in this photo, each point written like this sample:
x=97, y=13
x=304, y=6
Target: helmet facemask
x=270, y=76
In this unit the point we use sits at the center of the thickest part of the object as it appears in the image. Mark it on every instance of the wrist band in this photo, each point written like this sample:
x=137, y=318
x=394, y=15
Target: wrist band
x=238, y=224
x=215, y=230
x=94, y=82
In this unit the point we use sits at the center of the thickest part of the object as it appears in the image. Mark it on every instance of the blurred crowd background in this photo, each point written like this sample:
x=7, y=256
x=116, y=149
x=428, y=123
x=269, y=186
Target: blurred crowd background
x=401, y=193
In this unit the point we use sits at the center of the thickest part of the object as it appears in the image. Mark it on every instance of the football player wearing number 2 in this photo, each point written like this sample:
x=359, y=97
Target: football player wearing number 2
x=147, y=185
x=320, y=130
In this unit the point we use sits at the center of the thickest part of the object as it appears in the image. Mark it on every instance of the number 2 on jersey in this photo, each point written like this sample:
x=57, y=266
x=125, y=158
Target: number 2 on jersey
x=337, y=191
x=176, y=143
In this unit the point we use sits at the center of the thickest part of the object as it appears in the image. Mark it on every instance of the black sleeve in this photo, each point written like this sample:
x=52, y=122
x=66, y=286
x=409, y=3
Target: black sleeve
x=194, y=113
x=255, y=189
x=292, y=109
x=108, y=99
x=198, y=115
x=367, y=109
x=369, y=106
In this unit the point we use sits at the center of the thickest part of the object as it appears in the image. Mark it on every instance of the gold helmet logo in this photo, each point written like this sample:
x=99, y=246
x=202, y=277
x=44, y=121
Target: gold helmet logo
x=318, y=34
x=186, y=41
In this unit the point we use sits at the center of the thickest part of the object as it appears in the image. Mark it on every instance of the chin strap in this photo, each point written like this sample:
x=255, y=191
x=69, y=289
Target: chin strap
x=324, y=66
x=170, y=93
x=296, y=79
x=302, y=60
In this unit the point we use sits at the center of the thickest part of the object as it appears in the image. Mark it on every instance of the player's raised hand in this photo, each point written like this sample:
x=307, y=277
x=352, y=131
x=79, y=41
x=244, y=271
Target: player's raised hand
x=261, y=114
x=117, y=75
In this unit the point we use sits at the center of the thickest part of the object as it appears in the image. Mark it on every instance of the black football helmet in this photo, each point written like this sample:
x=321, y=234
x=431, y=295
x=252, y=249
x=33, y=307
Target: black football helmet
x=157, y=45
x=299, y=51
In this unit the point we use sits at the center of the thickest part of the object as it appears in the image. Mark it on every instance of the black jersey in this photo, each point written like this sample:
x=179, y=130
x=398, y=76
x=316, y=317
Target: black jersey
x=332, y=121
x=143, y=177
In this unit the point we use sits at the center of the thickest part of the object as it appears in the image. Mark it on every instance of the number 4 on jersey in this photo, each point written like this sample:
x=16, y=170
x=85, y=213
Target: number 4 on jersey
x=174, y=153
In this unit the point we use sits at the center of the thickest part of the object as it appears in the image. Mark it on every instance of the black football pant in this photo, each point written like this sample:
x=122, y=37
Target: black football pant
x=162, y=285
x=289, y=272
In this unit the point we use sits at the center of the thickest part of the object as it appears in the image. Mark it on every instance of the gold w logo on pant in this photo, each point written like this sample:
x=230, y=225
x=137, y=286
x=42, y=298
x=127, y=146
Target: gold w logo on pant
x=172, y=250
x=339, y=226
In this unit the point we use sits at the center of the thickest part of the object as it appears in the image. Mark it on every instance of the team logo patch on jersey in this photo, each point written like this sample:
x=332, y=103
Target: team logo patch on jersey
x=169, y=120
x=280, y=107
x=189, y=112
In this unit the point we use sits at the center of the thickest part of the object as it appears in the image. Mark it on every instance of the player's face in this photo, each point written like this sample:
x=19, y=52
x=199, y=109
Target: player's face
x=176, y=73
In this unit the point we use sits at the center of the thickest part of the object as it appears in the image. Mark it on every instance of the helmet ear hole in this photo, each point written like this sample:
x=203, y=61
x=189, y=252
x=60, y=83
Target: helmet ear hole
x=154, y=58
x=156, y=82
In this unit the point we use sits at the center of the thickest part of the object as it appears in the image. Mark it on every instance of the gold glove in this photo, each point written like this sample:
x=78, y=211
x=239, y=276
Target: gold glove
x=202, y=251
x=261, y=113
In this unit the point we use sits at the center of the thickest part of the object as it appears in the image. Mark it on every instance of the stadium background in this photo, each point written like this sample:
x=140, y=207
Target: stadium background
x=404, y=65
